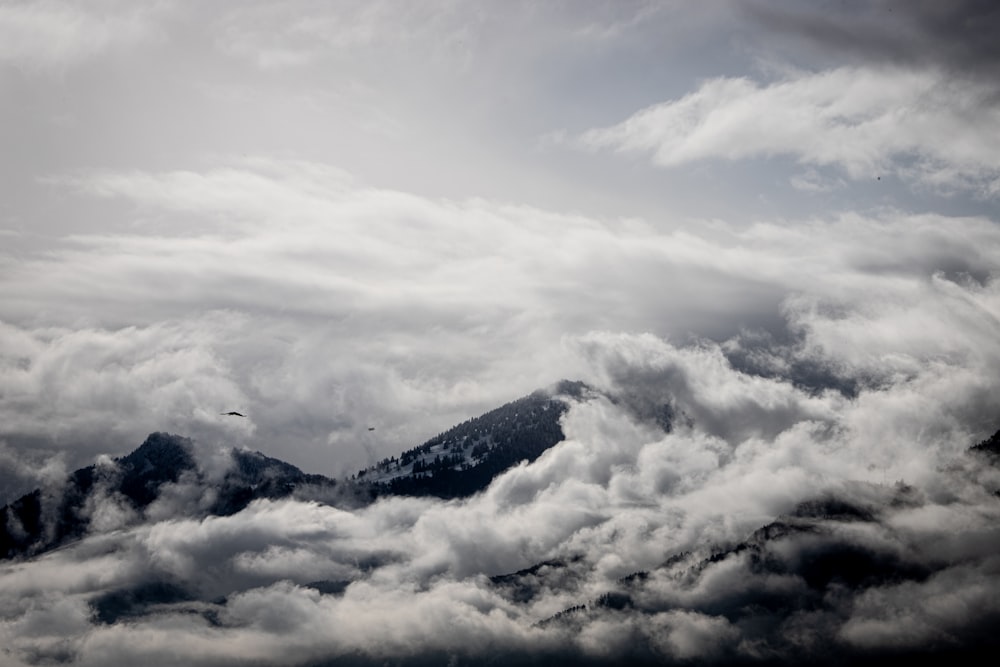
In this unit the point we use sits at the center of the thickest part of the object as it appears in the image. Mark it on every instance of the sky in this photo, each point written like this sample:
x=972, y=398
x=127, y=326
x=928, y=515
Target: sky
x=778, y=218
x=330, y=216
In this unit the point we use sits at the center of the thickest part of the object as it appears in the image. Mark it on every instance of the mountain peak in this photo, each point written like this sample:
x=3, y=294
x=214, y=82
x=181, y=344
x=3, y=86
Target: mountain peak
x=161, y=450
x=256, y=467
x=457, y=463
x=161, y=458
x=464, y=459
x=571, y=388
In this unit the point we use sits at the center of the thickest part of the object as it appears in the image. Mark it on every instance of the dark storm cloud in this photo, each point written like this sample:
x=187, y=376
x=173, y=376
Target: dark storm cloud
x=960, y=36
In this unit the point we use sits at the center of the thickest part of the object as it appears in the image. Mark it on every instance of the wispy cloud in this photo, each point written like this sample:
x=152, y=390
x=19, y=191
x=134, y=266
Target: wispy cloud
x=923, y=125
x=54, y=35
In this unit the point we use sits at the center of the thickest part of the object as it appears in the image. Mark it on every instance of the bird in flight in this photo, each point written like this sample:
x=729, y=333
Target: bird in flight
x=232, y=413
x=371, y=428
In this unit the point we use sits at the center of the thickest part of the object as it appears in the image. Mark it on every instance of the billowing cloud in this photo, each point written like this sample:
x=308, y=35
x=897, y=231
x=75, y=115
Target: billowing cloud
x=293, y=582
x=293, y=294
x=288, y=582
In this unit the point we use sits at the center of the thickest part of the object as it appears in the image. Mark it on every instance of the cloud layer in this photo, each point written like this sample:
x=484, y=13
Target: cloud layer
x=876, y=370
x=265, y=281
x=877, y=365
x=291, y=583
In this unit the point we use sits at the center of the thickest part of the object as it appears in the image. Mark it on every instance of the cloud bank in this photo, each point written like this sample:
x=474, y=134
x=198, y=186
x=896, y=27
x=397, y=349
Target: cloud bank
x=768, y=473
x=261, y=281
x=880, y=481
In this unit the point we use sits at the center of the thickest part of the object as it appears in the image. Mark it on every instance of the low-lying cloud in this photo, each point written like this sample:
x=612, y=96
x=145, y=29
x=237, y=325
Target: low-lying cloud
x=887, y=541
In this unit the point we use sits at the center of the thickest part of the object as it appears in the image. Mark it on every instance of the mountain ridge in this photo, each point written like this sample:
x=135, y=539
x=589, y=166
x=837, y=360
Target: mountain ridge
x=835, y=547
x=41, y=520
x=468, y=456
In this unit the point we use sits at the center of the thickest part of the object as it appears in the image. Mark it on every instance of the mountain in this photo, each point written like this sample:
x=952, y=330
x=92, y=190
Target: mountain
x=254, y=475
x=41, y=519
x=456, y=463
x=44, y=519
x=989, y=447
x=466, y=458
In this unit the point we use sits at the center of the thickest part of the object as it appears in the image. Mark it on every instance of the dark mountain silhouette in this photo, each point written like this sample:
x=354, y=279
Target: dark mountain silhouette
x=466, y=458
x=989, y=447
x=161, y=458
x=136, y=601
x=44, y=519
x=255, y=476
x=41, y=520
x=456, y=463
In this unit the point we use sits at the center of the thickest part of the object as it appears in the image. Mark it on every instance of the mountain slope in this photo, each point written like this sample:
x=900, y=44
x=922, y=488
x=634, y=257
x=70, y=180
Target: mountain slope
x=456, y=463
x=466, y=458
x=255, y=475
x=44, y=519
x=989, y=447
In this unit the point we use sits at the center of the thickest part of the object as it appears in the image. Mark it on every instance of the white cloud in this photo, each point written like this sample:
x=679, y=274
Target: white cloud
x=57, y=35
x=813, y=181
x=923, y=125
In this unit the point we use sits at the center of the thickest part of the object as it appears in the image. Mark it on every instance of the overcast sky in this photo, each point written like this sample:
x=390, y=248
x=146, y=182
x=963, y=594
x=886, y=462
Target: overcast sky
x=780, y=218
x=331, y=216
